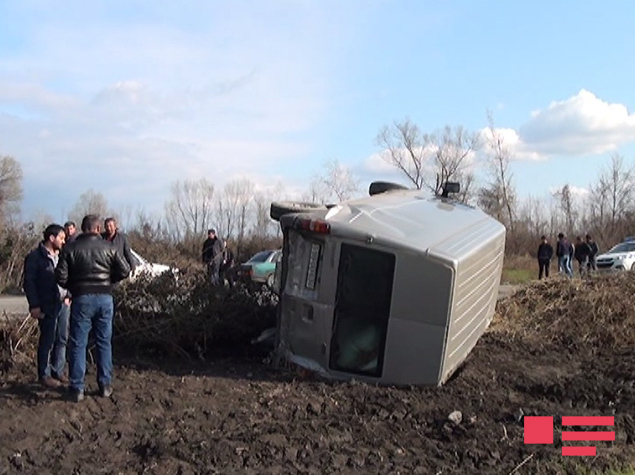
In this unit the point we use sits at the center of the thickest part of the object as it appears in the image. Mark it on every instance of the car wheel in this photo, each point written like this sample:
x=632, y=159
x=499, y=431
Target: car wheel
x=280, y=208
x=270, y=281
x=633, y=267
x=378, y=187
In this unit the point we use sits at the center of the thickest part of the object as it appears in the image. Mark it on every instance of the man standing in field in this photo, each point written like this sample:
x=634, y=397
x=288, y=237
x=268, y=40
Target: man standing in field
x=593, y=252
x=563, y=250
x=545, y=254
x=88, y=268
x=212, y=256
x=119, y=240
x=71, y=231
x=49, y=305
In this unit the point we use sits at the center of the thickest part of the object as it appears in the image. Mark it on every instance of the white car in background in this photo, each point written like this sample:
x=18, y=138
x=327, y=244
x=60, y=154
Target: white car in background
x=142, y=266
x=619, y=257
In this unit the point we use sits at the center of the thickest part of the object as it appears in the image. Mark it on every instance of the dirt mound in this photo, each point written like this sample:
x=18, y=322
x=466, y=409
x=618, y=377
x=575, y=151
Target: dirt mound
x=592, y=314
x=555, y=348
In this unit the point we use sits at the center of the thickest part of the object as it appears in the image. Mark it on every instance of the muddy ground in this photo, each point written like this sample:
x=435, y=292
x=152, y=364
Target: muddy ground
x=241, y=415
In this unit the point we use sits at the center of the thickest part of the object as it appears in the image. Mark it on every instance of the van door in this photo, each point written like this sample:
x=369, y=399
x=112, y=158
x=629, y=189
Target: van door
x=306, y=310
x=362, y=310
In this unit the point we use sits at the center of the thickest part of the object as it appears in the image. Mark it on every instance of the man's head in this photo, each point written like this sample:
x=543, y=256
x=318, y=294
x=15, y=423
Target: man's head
x=70, y=228
x=110, y=225
x=589, y=238
x=91, y=224
x=211, y=233
x=560, y=236
x=54, y=237
x=578, y=239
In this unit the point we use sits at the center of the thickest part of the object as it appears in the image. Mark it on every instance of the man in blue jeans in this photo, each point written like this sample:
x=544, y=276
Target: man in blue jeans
x=49, y=304
x=89, y=267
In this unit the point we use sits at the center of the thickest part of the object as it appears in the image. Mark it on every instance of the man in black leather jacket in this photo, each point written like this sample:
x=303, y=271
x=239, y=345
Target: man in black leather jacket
x=89, y=267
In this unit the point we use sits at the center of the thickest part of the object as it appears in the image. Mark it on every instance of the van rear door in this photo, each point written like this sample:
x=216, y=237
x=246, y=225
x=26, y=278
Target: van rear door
x=306, y=305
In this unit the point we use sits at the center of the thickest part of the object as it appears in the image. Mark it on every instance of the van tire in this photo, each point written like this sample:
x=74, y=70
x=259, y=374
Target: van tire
x=378, y=187
x=280, y=208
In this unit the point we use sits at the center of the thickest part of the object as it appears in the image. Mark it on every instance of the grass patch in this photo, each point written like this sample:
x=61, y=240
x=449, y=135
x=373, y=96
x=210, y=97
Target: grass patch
x=519, y=270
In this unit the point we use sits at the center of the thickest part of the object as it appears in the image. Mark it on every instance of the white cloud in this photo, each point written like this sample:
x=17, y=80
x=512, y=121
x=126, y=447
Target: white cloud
x=509, y=137
x=577, y=192
x=127, y=107
x=580, y=125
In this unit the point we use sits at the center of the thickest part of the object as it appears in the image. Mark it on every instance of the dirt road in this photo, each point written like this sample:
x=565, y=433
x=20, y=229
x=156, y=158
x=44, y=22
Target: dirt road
x=13, y=305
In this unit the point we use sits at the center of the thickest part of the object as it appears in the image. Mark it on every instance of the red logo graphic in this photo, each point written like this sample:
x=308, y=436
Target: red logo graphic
x=539, y=430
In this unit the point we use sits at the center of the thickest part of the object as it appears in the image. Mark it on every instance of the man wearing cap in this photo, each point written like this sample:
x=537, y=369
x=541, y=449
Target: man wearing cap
x=212, y=256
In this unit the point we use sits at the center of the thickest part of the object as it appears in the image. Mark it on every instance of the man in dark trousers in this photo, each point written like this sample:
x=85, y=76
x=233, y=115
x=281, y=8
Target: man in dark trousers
x=582, y=252
x=120, y=241
x=89, y=267
x=49, y=305
x=226, y=265
x=563, y=252
x=212, y=256
x=545, y=254
x=593, y=252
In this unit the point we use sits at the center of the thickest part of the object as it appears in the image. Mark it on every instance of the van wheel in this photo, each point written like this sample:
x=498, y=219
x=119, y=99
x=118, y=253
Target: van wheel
x=270, y=281
x=378, y=187
x=280, y=208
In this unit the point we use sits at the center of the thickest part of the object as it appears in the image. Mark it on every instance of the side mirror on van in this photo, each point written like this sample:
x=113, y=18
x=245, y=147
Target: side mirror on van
x=450, y=187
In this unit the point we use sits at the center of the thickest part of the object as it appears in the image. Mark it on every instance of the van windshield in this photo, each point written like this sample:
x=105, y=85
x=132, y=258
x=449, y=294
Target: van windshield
x=362, y=310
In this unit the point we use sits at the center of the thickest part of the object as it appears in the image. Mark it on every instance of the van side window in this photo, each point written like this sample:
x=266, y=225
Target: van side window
x=362, y=310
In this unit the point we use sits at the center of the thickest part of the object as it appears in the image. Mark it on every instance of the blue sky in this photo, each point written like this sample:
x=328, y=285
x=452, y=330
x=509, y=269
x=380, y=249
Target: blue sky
x=125, y=97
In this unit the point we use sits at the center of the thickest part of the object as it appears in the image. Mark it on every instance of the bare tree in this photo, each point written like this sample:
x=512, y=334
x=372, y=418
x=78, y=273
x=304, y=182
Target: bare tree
x=430, y=160
x=263, y=225
x=567, y=207
x=233, y=210
x=10, y=189
x=189, y=211
x=498, y=197
x=90, y=202
x=611, y=200
x=335, y=182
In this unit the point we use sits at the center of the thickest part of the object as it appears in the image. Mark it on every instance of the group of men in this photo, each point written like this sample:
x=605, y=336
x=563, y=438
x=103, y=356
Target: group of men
x=68, y=281
x=584, y=251
x=218, y=258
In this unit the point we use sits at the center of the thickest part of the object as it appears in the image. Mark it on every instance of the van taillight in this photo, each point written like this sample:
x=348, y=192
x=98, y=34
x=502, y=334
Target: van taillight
x=313, y=225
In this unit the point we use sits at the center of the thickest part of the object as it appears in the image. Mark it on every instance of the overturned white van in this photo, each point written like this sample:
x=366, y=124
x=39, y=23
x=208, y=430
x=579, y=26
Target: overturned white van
x=395, y=288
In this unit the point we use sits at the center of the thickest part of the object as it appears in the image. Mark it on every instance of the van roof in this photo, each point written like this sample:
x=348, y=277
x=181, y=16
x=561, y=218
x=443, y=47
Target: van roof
x=410, y=218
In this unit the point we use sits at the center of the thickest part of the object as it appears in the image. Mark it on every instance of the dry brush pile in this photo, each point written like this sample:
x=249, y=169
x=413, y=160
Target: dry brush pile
x=189, y=317
x=594, y=314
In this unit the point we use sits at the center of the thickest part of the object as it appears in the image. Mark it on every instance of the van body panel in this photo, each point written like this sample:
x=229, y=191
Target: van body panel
x=403, y=288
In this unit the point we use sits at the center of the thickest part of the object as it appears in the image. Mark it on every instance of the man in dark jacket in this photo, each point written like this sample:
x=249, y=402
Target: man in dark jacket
x=120, y=241
x=49, y=304
x=213, y=256
x=582, y=252
x=88, y=268
x=594, y=250
x=71, y=231
x=545, y=254
x=226, y=265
